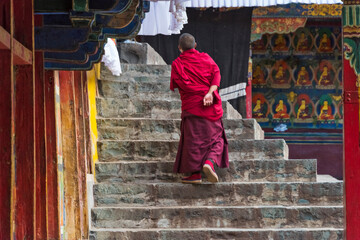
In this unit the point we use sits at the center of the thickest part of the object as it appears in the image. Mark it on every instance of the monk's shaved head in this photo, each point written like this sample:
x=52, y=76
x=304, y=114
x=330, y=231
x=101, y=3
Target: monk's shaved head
x=186, y=41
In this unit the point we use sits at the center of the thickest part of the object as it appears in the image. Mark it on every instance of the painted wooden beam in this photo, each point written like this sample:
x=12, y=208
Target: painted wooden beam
x=22, y=55
x=95, y=58
x=81, y=55
x=52, y=203
x=5, y=142
x=52, y=38
x=4, y=39
x=69, y=146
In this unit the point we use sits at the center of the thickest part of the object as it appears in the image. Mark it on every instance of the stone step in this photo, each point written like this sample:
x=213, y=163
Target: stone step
x=299, y=170
x=138, y=87
x=218, y=234
x=160, y=129
x=136, y=70
x=221, y=217
x=110, y=151
x=156, y=109
x=220, y=194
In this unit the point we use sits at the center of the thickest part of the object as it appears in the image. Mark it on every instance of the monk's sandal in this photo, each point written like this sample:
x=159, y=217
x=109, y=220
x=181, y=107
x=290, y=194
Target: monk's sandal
x=209, y=171
x=195, y=178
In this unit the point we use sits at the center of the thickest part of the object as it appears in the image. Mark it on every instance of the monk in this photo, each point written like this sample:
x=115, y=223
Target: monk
x=203, y=143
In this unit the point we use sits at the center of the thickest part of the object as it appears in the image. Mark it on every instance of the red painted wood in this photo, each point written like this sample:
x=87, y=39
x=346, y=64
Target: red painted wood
x=5, y=143
x=81, y=150
x=24, y=22
x=24, y=142
x=351, y=157
x=40, y=148
x=51, y=159
x=5, y=13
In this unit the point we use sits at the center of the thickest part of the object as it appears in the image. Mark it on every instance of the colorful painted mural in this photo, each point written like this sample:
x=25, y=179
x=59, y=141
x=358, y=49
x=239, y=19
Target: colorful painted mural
x=297, y=78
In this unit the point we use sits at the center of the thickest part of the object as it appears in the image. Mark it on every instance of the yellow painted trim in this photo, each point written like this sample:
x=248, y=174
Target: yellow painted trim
x=92, y=77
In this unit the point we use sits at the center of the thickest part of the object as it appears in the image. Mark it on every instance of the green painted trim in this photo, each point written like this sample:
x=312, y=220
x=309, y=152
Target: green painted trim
x=351, y=18
x=352, y=54
x=80, y=5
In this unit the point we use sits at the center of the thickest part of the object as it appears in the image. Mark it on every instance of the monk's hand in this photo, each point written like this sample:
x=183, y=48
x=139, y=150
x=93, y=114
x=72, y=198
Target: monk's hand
x=208, y=99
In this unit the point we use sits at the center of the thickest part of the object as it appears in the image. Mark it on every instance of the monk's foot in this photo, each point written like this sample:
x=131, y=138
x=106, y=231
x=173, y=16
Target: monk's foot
x=195, y=178
x=209, y=171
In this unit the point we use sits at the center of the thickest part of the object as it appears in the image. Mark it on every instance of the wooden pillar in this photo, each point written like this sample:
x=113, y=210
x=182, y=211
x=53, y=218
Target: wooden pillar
x=24, y=180
x=70, y=155
x=6, y=84
x=41, y=231
x=81, y=150
x=87, y=123
x=351, y=84
x=52, y=203
x=5, y=142
x=249, y=91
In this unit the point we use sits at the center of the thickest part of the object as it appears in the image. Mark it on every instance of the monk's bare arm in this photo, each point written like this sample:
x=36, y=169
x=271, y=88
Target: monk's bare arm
x=209, y=99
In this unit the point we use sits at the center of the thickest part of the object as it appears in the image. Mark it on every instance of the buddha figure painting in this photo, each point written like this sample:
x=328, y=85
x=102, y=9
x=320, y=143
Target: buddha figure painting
x=280, y=75
x=259, y=107
x=260, y=45
x=303, y=41
x=325, y=75
x=280, y=43
x=325, y=42
x=281, y=110
x=325, y=111
x=303, y=107
x=303, y=77
x=259, y=76
x=325, y=108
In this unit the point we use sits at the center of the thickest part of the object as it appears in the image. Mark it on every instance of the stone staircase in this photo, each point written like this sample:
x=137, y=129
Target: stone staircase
x=263, y=195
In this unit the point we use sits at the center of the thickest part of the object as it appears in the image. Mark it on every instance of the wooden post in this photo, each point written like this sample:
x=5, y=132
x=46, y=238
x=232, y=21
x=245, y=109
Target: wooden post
x=52, y=202
x=81, y=150
x=5, y=142
x=23, y=202
x=70, y=155
x=351, y=84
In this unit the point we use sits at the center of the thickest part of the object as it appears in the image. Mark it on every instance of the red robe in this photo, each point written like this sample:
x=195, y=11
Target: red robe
x=193, y=73
x=202, y=132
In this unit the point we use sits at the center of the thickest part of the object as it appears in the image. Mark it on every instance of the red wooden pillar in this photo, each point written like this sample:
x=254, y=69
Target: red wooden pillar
x=6, y=84
x=40, y=148
x=52, y=203
x=24, y=192
x=351, y=84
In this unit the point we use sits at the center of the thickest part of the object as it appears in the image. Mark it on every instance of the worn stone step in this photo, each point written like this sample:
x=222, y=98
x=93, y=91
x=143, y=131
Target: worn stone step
x=218, y=234
x=138, y=87
x=161, y=129
x=140, y=108
x=299, y=170
x=221, y=217
x=136, y=70
x=166, y=150
x=221, y=194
